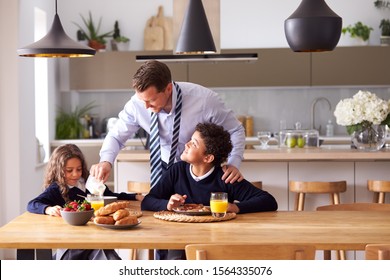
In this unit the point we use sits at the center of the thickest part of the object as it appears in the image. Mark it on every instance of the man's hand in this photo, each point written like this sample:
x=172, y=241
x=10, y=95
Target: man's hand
x=231, y=174
x=175, y=201
x=101, y=171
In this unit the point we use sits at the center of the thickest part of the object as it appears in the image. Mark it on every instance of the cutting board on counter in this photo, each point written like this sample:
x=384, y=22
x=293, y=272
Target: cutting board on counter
x=158, y=32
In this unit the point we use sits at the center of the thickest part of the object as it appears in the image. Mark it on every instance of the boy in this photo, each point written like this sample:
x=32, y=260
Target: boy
x=199, y=173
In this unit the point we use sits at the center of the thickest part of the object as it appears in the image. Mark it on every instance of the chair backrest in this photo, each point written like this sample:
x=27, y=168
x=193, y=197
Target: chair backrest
x=355, y=207
x=317, y=187
x=257, y=184
x=138, y=187
x=378, y=252
x=378, y=186
x=249, y=252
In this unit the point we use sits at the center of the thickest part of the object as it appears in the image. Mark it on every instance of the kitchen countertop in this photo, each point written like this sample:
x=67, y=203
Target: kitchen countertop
x=324, y=153
x=138, y=143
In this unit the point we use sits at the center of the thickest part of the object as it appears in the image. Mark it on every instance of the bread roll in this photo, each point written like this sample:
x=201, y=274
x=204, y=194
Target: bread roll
x=108, y=220
x=121, y=213
x=111, y=208
x=129, y=220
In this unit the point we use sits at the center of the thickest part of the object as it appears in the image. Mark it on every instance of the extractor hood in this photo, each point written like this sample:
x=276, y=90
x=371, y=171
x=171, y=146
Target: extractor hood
x=199, y=57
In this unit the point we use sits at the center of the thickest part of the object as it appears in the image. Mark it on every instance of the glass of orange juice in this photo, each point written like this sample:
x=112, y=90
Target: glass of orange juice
x=96, y=201
x=218, y=204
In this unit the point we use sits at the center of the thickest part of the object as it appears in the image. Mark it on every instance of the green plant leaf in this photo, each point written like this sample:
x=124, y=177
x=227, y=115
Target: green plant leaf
x=68, y=125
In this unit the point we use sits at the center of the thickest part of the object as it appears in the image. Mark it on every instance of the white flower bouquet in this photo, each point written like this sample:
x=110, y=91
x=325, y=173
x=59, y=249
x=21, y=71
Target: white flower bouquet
x=363, y=110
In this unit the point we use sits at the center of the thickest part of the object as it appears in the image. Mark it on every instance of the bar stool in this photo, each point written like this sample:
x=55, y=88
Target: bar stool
x=380, y=188
x=301, y=188
x=257, y=184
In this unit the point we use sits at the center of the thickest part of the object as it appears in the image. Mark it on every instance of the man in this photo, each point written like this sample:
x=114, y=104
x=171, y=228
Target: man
x=173, y=104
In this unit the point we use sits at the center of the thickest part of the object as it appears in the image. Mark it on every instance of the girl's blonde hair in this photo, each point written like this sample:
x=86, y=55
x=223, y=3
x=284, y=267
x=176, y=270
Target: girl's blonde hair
x=55, y=170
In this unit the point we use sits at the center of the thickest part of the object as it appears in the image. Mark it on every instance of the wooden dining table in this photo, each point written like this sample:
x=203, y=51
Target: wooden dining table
x=326, y=230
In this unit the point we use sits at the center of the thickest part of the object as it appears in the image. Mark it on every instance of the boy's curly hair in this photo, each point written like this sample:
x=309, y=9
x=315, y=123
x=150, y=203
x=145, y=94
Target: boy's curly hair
x=217, y=141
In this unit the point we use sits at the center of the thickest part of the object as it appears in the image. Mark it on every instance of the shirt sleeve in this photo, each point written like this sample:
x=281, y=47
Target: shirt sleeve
x=124, y=129
x=221, y=115
x=252, y=199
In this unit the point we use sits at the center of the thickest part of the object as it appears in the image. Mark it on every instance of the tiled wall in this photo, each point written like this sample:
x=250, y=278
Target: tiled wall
x=267, y=106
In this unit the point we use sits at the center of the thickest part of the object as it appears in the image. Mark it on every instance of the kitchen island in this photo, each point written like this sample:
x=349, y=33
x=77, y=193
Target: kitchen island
x=276, y=166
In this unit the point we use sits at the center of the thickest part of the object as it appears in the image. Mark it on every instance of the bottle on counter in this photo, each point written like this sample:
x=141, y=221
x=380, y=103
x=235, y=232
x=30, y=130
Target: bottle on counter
x=329, y=129
x=249, y=126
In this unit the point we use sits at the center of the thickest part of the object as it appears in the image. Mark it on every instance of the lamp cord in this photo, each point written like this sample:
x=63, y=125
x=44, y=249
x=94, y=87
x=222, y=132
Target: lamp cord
x=56, y=6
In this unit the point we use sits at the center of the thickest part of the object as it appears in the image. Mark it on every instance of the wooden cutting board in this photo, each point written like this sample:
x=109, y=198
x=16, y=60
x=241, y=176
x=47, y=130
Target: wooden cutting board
x=158, y=34
x=153, y=36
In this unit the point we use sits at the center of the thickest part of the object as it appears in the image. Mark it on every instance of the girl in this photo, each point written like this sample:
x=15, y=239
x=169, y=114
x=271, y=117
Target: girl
x=65, y=178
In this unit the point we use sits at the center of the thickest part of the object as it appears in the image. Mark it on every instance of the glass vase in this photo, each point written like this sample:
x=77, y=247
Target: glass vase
x=370, y=138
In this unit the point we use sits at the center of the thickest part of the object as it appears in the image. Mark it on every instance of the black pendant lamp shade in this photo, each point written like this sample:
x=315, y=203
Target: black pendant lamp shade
x=313, y=27
x=195, y=34
x=56, y=44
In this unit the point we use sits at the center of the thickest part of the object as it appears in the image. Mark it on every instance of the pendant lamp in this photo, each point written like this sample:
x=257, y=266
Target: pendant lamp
x=313, y=27
x=56, y=44
x=195, y=34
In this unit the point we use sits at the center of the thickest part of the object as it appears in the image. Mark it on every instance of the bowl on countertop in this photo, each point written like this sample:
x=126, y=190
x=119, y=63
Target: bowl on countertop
x=77, y=218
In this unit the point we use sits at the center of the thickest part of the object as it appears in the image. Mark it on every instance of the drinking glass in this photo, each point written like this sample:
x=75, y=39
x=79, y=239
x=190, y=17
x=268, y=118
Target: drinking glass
x=97, y=201
x=264, y=137
x=218, y=204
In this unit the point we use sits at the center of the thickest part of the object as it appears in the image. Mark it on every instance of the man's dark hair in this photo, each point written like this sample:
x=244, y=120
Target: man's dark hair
x=217, y=141
x=152, y=73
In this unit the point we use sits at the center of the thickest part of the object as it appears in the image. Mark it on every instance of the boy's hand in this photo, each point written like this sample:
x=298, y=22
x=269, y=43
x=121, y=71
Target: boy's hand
x=175, y=201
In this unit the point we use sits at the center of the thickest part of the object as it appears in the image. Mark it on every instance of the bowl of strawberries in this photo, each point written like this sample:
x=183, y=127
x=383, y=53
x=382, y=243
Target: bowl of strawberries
x=77, y=213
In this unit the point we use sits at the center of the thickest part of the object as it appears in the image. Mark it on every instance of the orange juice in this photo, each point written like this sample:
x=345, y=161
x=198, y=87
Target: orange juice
x=218, y=206
x=97, y=204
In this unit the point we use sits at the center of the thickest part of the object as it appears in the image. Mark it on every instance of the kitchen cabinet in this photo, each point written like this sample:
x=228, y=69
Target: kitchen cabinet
x=274, y=67
x=368, y=65
x=351, y=66
x=112, y=71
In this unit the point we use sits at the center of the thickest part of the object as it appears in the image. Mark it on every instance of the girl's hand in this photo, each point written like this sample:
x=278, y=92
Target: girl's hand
x=53, y=211
x=175, y=201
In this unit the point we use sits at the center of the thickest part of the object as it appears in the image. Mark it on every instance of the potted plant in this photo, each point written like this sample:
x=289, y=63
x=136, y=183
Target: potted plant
x=91, y=33
x=119, y=42
x=359, y=30
x=68, y=125
x=385, y=32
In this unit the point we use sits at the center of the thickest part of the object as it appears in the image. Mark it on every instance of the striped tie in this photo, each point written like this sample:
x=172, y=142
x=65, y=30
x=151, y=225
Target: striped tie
x=155, y=153
x=176, y=126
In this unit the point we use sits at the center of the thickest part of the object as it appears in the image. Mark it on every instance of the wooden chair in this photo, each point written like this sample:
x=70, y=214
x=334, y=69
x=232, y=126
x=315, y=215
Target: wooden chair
x=380, y=188
x=249, y=252
x=257, y=184
x=352, y=207
x=140, y=188
x=378, y=252
x=301, y=188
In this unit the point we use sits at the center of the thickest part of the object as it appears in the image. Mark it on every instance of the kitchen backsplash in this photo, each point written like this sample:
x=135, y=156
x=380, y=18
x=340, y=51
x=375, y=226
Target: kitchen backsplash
x=267, y=106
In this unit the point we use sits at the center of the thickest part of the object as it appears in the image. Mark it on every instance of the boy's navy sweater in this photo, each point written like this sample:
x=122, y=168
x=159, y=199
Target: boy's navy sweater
x=179, y=180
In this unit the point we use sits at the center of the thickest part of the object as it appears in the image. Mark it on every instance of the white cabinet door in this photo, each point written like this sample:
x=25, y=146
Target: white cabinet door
x=130, y=171
x=322, y=171
x=273, y=176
